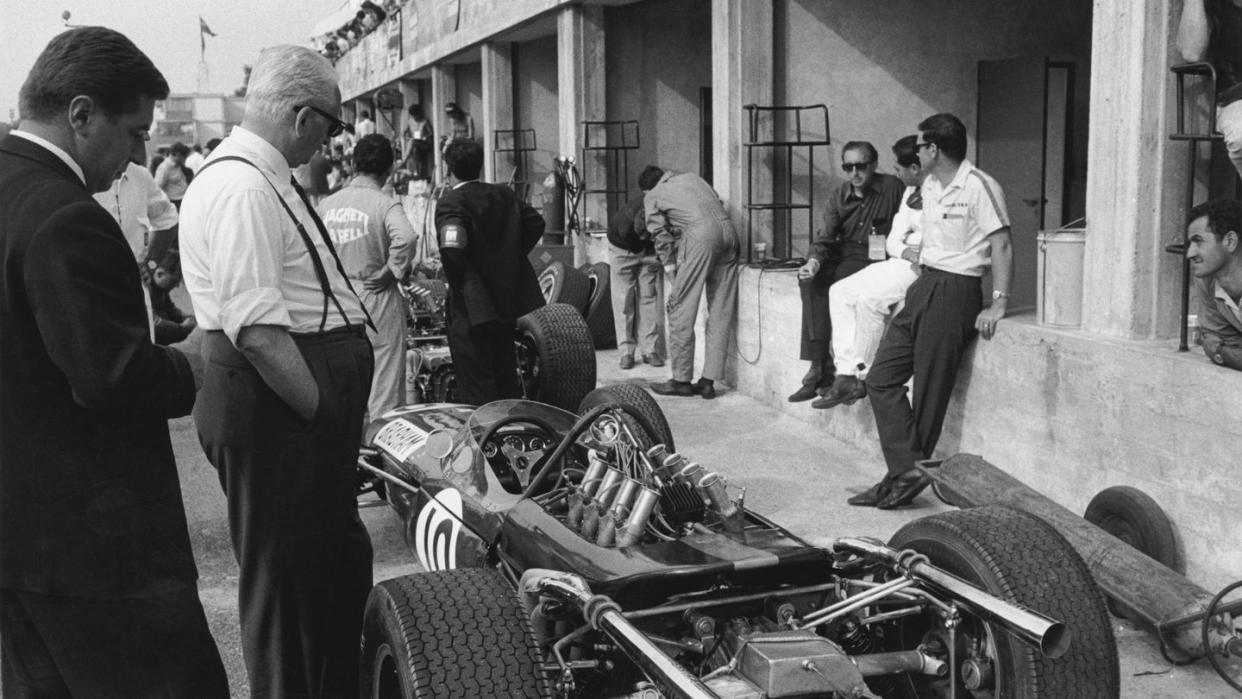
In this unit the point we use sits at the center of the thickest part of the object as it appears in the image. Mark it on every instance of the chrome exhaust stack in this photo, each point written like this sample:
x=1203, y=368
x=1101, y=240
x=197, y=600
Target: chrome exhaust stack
x=629, y=533
x=617, y=512
x=1049, y=636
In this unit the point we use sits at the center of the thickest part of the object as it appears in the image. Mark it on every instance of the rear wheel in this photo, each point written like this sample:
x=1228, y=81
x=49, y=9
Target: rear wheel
x=1021, y=559
x=453, y=633
x=638, y=398
x=556, y=356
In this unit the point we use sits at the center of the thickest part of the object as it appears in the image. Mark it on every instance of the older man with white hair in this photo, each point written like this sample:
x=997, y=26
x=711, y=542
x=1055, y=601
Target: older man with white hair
x=288, y=367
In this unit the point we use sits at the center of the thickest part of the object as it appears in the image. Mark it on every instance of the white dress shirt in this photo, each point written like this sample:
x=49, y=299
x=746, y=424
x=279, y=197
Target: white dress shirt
x=140, y=206
x=243, y=261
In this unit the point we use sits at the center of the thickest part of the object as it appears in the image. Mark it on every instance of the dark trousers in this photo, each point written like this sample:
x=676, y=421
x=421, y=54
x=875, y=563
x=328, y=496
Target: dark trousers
x=484, y=360
x=925, y=340
x=304, y=555
x=816, y=320
x=153, y=643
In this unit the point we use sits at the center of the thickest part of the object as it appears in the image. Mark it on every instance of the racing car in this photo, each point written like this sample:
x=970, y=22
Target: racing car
x=579, y=554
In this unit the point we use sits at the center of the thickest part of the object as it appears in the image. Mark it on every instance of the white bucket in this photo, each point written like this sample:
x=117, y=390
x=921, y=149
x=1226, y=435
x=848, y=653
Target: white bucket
x=1058, y=301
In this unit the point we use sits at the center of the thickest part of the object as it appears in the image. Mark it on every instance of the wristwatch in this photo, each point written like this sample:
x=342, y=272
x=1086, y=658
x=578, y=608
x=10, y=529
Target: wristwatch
x=997, y=294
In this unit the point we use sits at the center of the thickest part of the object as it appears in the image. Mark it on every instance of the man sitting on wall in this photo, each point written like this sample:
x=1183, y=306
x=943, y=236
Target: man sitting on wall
x=861, y=302
x=863, y=205
x=1214, y=248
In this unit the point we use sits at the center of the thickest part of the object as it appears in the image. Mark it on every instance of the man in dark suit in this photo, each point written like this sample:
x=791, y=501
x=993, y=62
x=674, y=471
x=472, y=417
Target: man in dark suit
x=485, y=234
x=98, y=593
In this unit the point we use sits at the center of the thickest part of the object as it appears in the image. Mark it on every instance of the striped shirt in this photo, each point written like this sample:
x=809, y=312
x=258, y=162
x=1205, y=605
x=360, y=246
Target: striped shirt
x=959, y=219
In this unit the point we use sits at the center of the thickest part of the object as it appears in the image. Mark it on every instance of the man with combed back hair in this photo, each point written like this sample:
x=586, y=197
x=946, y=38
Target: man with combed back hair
x=98, y=587
x=965, y=233
x=288, y=367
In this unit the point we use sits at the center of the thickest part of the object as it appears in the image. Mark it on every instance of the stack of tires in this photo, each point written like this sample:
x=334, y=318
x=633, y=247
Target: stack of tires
x=587, y=289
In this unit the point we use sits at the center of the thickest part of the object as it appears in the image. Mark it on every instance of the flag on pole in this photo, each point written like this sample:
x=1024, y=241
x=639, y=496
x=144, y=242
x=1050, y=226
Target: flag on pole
x=204, y=31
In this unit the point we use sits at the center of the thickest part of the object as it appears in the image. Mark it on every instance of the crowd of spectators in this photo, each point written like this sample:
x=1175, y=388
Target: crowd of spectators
x=370, y=15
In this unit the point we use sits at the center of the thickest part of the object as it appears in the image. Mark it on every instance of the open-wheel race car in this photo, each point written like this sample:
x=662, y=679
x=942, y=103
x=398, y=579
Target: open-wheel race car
x=580, y=555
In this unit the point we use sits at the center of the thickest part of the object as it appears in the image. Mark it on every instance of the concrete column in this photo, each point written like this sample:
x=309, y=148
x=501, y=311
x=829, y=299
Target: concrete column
x=497, y=64
x=742, y=67
x=443, y=91
x=1133, y=192
x=582, y=97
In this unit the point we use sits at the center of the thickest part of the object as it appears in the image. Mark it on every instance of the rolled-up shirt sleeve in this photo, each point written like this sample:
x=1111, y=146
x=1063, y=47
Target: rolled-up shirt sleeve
x=160, y=210
x=246, y=257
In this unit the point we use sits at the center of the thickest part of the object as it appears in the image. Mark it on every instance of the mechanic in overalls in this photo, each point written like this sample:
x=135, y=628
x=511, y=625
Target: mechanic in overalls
x=288, y=367
x=485, y=235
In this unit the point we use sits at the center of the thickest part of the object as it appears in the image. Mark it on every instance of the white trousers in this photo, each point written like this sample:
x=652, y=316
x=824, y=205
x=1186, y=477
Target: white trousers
x=859, y=305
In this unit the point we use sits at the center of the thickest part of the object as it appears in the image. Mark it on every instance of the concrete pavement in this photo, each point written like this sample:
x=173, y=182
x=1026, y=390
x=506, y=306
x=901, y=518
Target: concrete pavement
x=797, y=477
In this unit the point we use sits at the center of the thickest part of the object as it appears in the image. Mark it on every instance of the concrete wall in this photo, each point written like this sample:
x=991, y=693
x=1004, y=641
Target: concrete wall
x=1068, y=413
x=535, y=94
x=658, y=56
x=883, y=67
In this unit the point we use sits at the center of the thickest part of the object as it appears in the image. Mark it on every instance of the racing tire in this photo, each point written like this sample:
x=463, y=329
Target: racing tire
x=1020, y=558
x=556, y=356
x=452, y=633
x=564, y=284
x=1134, y=517
x=599, y=316
x=638, y=398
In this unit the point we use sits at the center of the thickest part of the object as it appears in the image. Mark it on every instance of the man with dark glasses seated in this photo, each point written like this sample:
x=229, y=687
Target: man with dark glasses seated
x=860, y=207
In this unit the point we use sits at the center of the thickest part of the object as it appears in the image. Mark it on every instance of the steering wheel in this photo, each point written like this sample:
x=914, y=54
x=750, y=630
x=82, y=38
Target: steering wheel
x=520, y=462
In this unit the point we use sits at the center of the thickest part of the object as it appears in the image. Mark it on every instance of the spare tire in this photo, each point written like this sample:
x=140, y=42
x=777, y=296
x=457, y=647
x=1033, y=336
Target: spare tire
x=1134, y=517
x=556, y=356
x=640, y=399
x=452, y=633
x=562, y=284
x=599, y=316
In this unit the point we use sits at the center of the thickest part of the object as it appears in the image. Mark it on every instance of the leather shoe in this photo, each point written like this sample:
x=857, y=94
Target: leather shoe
x=673, y=388
x=804, y=392
x=652, y=361
x=871, y=496
x=627, y=362
x=845, y=390
x=705, y=388
x=904, y=489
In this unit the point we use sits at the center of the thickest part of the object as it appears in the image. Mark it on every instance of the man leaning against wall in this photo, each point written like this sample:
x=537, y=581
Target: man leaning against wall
x=1215, y=253
x=965, y=231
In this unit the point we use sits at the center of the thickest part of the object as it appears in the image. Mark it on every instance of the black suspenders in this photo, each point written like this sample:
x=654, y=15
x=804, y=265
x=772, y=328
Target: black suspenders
x=320, y=271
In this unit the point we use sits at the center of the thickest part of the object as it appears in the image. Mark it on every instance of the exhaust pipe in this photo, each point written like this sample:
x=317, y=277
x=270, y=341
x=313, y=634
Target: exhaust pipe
x=606, y=616
x=1050, y=636
x=629, y=533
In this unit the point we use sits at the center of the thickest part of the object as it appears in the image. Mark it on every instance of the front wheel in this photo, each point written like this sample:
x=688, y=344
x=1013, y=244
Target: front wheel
x=452, y=633
x=1021, y=559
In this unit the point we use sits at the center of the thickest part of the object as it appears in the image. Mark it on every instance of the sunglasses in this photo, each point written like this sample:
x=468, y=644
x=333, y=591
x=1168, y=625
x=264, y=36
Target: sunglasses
x=335, y=125
x=855, y=167
x=920, y=146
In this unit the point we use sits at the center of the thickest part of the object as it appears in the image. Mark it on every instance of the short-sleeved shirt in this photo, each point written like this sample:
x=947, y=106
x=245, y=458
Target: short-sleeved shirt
x=139, y=206
x=243, y=260
x=959, y=219
x=171, y=179
x=369, y=228
x=850, y=217
x=1218, y=314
